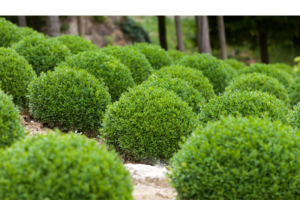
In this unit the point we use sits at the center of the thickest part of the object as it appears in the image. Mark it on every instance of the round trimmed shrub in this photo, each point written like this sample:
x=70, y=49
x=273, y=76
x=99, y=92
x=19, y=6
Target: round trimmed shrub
x=9, y=33
x=15, y=75
x=235, y=64
x=116, y=76
x=11, y=128
x=71, y=99
x=182, y=88
x=138, y=64
x=230, y=70
x=211, y=67
x=261, y=82
x=77, y=44
x=56, y=166
x=26, y=31
x=295, y=91
x=43, y=53
x=156, y=55
x=293, y=117
x=244, y=103
x=280, y=75
x=147, y=123
x=192, y=76
x=285, y=67
x=175, y=55
x=239, y=158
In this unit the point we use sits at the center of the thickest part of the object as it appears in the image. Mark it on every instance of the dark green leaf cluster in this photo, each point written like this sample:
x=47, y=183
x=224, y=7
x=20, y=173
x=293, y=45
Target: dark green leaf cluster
x=285, y=67
x=283, y=77
x=175, y=55
x=180, y=87
x=239, y=158
x=9, y=33
x=235, y=64
x=71, y=99
x=147, y=123
x=56, y=166
x=138, y=64
x=293, y=117
x=211, y=67
x=11, y=129
x=43, y=53
x=192, y=76
x=157, y=56
x=294, y=91
x=15, y=75
x=116, y=76
x=261, y=82
x=76, y=44
x=243, y=103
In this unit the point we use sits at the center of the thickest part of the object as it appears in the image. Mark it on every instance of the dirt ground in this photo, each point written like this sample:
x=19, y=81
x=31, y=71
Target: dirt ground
x=142, y=191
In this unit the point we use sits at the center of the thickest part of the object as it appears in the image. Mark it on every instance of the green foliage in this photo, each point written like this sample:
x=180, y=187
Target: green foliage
x=69, y=98
x=156, y=55
x=26, y=31
x=64, y=27
x=232, y=72
x=246, y=103
x=293, y=117
x=147, y=123
x=239, y=158
x=182, y=88
x=77, y=44
x=43, y=53
x=15, y=75
x=211, y=67
x=280, y=75
x=285, y=67
x=295, y=92
x=138, y=64
x=9, y=33
x=100, y=18
x=261, y=82
x=235, y=64
x=116, y=76
x=192, y=76
x=11, y=129
x=56, y=166
x=175, y=55
x=134, y=31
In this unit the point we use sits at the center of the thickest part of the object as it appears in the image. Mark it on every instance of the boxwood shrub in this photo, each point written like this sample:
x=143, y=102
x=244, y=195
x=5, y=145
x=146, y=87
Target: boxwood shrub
x=9, y=33
x=293, y=117
x=235, y=64
x=239, y=158
x=284, y=67
x=175, y=55
x=192, y=76
x=11, y=129
x=15, y=75
x=182, y=88
x=138, y=64
x=43, y=53
x=56, y=166
x=211, y=67
x=261, y=82
x=116, y=76
x=147, y=124
x=156, y=55
x=244, y=103
x=294, y=92
x=77, y=44
x=280, y=75
x=71, y=99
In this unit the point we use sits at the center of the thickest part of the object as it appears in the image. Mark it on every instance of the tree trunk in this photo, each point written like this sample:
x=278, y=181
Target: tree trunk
x=179, y=34
x=53, y=27
x=199, y=33
x=22, y=21
x=263, y=42
x=222, y=38
x=162, y=32
x=81, y=26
